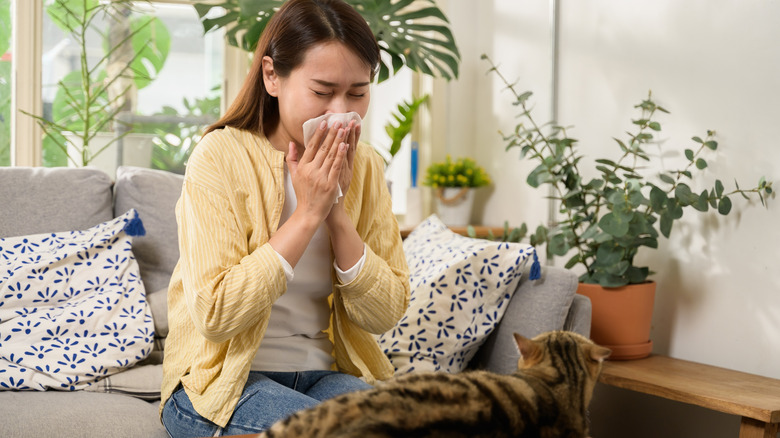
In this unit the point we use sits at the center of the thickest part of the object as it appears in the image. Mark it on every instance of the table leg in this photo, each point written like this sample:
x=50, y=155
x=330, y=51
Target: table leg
x=750, y=428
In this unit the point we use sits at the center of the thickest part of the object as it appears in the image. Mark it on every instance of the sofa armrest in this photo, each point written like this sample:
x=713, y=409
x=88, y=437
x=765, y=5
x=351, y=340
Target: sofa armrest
x=579, y=316
x=536, y=307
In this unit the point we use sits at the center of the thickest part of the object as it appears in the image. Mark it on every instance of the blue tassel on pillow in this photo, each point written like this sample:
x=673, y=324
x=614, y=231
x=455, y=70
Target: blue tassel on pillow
x=135, y=226
x=536, y=268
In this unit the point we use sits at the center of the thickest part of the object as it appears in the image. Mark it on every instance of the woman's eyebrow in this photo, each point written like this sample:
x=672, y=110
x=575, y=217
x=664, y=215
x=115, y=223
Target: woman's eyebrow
x=333, y=84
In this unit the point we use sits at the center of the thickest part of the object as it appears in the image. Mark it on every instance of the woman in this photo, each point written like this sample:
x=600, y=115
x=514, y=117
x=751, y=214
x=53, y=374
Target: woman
x=276, y=284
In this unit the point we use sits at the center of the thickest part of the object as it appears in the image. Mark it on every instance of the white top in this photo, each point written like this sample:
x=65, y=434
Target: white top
x=295, y=339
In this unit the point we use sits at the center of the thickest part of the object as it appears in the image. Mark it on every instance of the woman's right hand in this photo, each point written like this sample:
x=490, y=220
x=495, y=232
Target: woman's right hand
x=315, y=173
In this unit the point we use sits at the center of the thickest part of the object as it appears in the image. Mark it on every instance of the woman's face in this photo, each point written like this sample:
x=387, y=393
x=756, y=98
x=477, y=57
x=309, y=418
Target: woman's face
x=331, y=79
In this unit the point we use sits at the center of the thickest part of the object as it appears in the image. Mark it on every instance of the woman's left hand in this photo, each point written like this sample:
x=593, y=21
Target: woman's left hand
x=352, y=138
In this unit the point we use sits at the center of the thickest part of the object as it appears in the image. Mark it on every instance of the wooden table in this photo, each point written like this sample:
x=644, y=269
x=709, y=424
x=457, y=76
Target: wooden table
x=755, y=398
x=481, y=231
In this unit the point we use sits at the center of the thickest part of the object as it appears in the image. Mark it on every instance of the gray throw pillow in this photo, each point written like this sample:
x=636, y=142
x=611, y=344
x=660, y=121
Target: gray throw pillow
x=36, y=200
x=153, y=193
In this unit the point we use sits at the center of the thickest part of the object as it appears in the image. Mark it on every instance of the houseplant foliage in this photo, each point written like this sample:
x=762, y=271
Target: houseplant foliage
x=400, y=126
x=606, y=219
x=89, y=98
x=463, y=172
x=414, y=33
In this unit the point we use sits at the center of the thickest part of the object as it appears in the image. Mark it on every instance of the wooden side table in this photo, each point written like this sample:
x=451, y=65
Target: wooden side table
x=482, y=231
x=755, y=398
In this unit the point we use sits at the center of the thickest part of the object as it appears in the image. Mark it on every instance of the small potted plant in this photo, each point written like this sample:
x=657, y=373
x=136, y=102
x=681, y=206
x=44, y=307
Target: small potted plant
x=606, y=218
x=454, y=183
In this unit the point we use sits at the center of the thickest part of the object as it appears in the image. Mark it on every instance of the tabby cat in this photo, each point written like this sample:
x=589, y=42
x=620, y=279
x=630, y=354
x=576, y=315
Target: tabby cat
x=546, y=397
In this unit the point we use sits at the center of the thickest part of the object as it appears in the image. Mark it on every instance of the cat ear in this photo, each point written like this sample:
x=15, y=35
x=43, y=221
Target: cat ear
x=599, y=353
x=525, y=346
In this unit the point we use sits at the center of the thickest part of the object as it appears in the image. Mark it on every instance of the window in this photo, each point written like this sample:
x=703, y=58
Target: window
x=5, y=82
x=150, y=67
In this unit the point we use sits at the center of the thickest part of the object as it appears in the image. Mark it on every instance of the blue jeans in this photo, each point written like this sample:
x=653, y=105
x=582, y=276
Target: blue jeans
x=267, y=398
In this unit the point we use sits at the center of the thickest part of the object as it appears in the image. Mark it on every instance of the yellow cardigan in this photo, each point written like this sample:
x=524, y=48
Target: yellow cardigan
x=228, y=276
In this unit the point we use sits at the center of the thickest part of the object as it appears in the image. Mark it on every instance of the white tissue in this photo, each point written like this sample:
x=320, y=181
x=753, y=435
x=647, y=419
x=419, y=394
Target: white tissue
x=311, y=125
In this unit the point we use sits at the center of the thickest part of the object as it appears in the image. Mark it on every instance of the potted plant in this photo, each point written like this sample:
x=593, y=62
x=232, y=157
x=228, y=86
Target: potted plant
x=606, y=219
x=90, y=98
x=454, y=183
x=412, y=35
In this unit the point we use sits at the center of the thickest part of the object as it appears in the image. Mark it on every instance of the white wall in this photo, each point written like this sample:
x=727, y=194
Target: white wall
x=715, y=64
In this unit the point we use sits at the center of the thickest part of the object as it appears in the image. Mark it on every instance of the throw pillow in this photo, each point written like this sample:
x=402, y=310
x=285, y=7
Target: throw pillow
x=459, y=291
x=72, y=307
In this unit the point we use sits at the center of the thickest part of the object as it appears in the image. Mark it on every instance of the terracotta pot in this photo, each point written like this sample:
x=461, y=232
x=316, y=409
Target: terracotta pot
x=621, y=318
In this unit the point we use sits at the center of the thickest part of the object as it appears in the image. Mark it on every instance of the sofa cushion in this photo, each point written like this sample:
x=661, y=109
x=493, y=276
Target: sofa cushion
x=37, y=200
x=538, y=306
x=460, y=290
x=72, y=307
x=78, y=414
x=153, y=193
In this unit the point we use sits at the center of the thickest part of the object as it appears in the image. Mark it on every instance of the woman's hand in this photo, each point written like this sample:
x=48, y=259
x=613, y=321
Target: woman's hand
x=353, y=136
x=317, y=172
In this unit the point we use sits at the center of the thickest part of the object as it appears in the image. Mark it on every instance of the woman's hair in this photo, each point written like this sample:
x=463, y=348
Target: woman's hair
x=292, y=31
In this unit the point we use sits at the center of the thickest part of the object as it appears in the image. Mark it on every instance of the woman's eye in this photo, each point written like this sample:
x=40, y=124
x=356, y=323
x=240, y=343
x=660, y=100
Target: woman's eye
x=321, y=93
x=358, y=95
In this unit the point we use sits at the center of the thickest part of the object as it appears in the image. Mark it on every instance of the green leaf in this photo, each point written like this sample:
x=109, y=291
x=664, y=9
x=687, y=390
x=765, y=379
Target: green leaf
x=684, y=195
x=666, y=178
x=719, y=188
x=637, y=275
x=689, y=154
x=666, y=224
x=701, y=164
x=5, y=26
x=558, y=245
x=614, y=224
x=657, y=198
x=655, y=126
x=724, y=206
x=702, y=204
x=68, y=14
x=697, y=139
x=152, y=43
x=712, y=144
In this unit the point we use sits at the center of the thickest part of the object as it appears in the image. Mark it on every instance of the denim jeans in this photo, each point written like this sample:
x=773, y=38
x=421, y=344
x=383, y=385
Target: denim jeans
x=267, y=398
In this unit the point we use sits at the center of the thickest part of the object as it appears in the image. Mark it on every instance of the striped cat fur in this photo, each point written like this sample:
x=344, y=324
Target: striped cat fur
x=547, y=396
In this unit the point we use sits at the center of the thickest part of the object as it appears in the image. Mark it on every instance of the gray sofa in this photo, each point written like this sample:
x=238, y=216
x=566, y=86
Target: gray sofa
x=38, y=200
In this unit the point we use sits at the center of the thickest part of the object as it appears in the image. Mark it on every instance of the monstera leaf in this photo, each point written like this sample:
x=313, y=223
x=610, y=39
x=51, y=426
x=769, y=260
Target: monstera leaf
x=151, y=44
x=414, y=33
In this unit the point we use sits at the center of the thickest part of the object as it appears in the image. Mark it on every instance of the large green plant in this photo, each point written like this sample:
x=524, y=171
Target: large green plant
x=414, y=33
x=89, y=98
x=607, y=218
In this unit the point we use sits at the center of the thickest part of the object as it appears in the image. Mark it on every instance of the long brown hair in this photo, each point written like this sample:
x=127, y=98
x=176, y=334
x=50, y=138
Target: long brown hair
x=294, y=29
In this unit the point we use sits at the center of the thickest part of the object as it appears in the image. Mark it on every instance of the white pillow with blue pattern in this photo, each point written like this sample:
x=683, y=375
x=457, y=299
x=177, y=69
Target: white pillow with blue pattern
x=460, y=288
x=72, y=307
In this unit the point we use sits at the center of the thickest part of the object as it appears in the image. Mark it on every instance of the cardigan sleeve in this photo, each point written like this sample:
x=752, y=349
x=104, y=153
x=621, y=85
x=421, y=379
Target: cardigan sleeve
x=228, y=288
x=378, y=297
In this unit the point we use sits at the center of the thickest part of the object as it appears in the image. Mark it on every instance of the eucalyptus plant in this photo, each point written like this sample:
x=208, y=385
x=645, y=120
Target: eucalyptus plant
x=89, y=98
x=606, y=219
x=414, y=33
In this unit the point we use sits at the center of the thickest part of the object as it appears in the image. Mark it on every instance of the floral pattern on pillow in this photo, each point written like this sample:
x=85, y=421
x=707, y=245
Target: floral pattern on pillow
x=72, y=307
x=460, y=288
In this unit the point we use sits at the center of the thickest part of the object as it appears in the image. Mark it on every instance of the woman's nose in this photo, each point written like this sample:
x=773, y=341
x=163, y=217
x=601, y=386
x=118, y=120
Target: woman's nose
x=338, y=105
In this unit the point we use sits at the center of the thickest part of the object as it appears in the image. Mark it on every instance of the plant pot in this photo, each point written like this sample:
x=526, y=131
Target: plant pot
x=621, y=318
x=454, y=204
x=136, y=151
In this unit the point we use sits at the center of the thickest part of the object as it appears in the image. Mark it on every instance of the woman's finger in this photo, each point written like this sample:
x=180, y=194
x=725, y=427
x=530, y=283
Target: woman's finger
x=334, y=137
x=338, y=161
x=310, y=149
x=328, y=148
x=354, y=139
